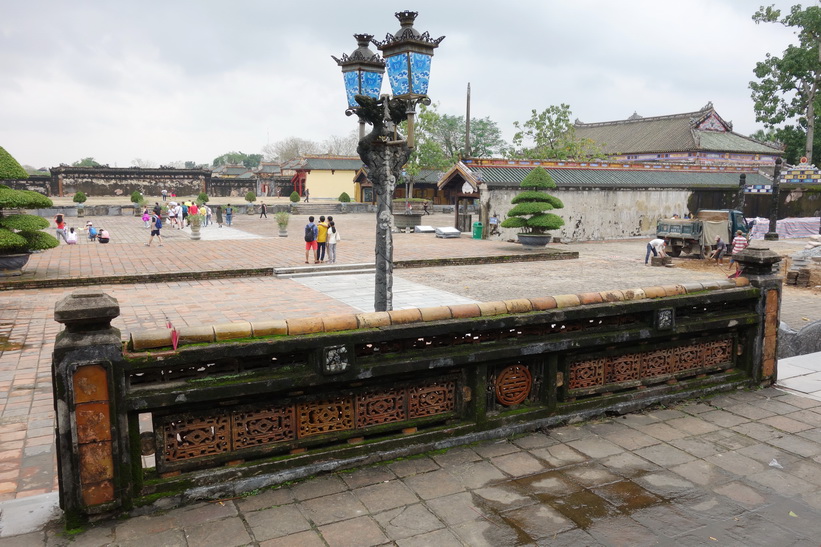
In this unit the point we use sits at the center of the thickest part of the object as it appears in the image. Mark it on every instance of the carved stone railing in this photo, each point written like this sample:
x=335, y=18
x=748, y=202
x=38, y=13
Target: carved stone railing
x=241, y=406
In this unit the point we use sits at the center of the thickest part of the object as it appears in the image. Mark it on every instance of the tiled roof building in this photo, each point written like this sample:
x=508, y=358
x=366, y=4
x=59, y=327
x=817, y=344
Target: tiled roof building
x=700, y=137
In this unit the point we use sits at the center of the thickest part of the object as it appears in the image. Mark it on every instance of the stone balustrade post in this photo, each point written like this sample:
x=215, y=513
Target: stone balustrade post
x=89, y=453
x=759, y=265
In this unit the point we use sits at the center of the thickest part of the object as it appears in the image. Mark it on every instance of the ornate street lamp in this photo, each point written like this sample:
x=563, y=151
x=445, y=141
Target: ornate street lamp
x=408, y=56
x=384, y=151
x=363, y=70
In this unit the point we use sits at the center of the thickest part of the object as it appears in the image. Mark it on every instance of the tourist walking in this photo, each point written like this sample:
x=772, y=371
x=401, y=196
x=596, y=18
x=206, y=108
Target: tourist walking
x=219, y=215
x=307, y=195
x=310, y=238
x=656, y=246
x=263, y=210
x=229, y=214
x=333, y=239
x=157, y=208
x=321, y=238
x=146, y=218
x=180, y=216
x=155, y=231
x=207, y=215
x=61, y=227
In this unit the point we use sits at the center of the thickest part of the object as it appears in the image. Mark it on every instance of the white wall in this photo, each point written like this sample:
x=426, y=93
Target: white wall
x=597, y=214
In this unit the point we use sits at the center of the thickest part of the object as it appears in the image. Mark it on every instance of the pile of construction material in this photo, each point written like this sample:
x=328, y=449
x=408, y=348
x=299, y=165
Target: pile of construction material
x=806, y=265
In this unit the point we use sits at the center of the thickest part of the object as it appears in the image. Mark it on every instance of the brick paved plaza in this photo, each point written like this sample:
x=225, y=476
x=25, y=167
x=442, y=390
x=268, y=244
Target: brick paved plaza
x=698, y=472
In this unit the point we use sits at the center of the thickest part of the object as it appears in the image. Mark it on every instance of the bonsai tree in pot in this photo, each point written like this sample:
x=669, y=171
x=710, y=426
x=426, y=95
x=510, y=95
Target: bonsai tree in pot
x=250, y=197
x=530, y=209
x=20, y=233
x=282, y=218
x=80, y=198
x=137, y=199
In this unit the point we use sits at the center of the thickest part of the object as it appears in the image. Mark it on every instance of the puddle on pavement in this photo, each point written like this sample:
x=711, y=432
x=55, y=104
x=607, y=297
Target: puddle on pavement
x=8, y=345
x=583, y=506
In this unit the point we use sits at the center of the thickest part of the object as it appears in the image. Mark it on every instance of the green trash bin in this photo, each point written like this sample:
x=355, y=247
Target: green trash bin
x=477, y=230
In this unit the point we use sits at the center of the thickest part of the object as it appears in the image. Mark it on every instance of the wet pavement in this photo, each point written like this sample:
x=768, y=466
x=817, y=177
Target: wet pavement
x=496, y=482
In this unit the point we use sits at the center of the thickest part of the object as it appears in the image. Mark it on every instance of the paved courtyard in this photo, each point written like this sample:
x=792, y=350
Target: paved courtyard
x=511, y=508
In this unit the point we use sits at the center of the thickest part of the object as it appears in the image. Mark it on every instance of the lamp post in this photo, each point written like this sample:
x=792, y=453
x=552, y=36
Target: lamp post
x=384, y=151
x=772, y=235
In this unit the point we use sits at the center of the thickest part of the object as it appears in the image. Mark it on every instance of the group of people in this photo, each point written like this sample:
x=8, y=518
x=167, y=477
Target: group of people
x=740, y=242
x=69, y=234
x=321, y=238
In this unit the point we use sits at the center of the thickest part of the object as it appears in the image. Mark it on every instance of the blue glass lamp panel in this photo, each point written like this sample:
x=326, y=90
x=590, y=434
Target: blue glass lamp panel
x=398, y=73
x=420, y=67
x=371, y=84
x=351, y=86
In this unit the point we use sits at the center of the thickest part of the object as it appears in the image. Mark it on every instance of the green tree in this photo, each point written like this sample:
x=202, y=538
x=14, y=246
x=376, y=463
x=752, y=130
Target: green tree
x=530, y=206
x=238, y=158
x=787, y=86
x=86, y=162
x=550, y=134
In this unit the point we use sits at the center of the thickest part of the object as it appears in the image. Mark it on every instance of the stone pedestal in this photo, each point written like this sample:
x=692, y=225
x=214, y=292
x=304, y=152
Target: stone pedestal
x=760, y=266
x=89, y=452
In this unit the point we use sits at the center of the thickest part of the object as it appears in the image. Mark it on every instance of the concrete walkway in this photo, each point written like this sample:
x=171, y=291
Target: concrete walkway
x=742, y=468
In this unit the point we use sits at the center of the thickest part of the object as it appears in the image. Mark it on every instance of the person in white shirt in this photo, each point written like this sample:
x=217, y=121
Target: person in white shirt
x=71, y=237
x=331, y=241
x=656, y=246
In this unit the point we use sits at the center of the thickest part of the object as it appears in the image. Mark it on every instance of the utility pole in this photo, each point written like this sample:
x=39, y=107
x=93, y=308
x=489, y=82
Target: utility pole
x=467, y=125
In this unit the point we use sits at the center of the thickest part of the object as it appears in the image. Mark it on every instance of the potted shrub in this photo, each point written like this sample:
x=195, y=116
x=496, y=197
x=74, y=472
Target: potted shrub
x=202, y=198
x=344, y=197
x=282, y=218
x=20, y=233
x=250, y=197
x=79, y=199
x=294, y=197
x=530, y=209
x=137, y=199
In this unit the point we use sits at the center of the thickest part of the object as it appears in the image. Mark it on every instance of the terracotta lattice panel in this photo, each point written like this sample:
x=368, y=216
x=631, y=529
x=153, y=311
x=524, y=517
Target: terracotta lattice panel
x=513, y=385
x=592, y=373
x=264, y=426
x=205, y=435
x=318, y=417
x=381, y=407
x=434, y=398
x=195, y=437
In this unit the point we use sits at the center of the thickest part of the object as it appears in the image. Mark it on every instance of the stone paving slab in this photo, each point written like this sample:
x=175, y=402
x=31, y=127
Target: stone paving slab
x=566, y=486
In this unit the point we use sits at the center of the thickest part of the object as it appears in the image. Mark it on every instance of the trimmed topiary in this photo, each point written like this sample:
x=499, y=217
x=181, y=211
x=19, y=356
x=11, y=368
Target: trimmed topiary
x=136, y=197
x=20, y=233
x=202, y=198
x=79, y=197
x=344, y=197
x=530, y=206
x=294, y=197
x=250, y=197
x=9, y=168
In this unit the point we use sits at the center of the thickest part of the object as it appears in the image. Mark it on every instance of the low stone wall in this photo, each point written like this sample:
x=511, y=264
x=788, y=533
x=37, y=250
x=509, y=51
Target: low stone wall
x=245, y=405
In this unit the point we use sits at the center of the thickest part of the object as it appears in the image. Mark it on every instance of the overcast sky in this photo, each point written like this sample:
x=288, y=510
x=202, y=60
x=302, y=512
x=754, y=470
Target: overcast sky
x=170, y=80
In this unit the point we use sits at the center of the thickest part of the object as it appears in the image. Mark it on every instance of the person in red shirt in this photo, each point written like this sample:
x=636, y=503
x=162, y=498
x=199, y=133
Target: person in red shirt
x=738, y=244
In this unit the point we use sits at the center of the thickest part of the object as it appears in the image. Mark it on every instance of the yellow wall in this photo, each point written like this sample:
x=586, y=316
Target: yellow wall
x=330, y=184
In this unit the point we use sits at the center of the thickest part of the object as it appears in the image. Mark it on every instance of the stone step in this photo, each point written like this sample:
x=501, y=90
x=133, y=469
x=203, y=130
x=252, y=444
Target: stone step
x=315, y=208
x=327, y=272
x=323, y=269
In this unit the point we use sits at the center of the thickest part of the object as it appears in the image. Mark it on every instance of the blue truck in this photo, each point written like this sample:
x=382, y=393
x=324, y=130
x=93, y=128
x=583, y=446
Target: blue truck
x=696, y=236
